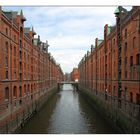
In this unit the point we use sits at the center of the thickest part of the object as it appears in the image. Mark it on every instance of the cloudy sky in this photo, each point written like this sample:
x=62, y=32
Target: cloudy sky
x=70, y=31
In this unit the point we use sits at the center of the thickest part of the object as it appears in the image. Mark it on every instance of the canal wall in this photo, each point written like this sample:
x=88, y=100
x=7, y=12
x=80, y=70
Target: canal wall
x=20, y=116
x=108, y=108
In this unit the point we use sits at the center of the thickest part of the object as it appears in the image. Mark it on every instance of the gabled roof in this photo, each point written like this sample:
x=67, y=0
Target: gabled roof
x=10, y=14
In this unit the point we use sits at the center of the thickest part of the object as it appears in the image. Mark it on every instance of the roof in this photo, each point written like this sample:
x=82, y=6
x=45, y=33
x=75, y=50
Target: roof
x=10, y=14
x=26, y=30
x=117, y=11
x=99, y=42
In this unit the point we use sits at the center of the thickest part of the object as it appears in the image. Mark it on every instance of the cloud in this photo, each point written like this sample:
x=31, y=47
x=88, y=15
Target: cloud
x=70, y=31
x=67, y=59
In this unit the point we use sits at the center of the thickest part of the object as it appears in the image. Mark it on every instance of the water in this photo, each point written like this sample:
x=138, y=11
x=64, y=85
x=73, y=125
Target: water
x=67, y=112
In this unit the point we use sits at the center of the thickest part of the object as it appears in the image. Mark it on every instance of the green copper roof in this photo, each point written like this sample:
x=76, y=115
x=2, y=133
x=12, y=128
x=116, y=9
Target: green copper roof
x=108, y=30
x=117, y=10
x=99, y=42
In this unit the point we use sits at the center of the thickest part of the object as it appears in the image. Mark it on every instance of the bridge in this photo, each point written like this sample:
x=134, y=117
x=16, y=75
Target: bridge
x=68, y=82
x=75, y=84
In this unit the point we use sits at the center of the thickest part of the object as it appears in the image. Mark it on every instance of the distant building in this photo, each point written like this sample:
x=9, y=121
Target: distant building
x=75, y=75
x=67, y=77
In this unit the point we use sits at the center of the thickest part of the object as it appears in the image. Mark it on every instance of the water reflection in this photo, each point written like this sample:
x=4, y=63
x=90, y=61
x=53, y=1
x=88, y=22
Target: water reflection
x=67, y=112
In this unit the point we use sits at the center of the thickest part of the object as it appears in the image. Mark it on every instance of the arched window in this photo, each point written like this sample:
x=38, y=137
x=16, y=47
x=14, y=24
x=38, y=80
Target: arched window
x=131, y=60
x=7, y=93
x=6, y=74
x=24, y=89
x=20, y=91
x=134, y=42
x=131, y=97
x=28, y=88
x=138, y=98
x=15, y=92
x=138, y=59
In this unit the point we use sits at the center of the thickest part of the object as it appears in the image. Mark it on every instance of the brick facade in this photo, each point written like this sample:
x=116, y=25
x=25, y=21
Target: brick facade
x=105, y=57
x=75, y=75
x=27, y=70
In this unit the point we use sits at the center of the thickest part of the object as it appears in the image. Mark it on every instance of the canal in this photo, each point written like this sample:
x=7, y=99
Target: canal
x=67, y=112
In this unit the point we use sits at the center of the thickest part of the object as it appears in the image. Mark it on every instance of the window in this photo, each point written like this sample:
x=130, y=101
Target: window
x=6, y=62
x=131, y=60
x=7, y=93
x=6, y=74
x=131, y=97
x=20, y=44
x=134, y=42
x=6, y=47
x=20, y=66
x=138, y=98
x=24, y=89
x=15, y=92
x=20, y=55
x=14, y=51
x=125, y=34
x=114, y=41
x=125, y=48
x=6, y=31
x=14, y=63
x=138, y=59
x=15, y=75
x=20, y=91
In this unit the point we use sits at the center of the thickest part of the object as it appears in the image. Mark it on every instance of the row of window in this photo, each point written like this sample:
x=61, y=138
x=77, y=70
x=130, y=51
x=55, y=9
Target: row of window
x=131, y=60
x=130, y=96
x=26, y=89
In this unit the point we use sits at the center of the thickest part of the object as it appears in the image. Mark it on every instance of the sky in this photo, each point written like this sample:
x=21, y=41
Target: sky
x=70, y=31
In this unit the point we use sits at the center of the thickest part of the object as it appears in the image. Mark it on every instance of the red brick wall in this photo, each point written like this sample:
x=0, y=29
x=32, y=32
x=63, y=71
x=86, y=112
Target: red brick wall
x=105, y=62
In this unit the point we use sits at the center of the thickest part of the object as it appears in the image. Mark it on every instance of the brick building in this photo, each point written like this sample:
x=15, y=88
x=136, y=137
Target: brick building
x=27, y=70
x=112, y=68
x=75, y=75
